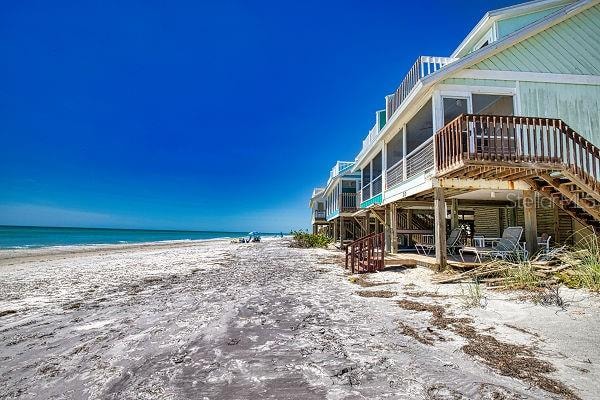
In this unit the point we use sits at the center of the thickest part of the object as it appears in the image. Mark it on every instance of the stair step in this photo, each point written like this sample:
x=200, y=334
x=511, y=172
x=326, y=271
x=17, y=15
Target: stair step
x=565, y=182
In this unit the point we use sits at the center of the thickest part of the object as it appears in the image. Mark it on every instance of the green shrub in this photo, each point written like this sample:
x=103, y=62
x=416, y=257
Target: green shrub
x=305, y=239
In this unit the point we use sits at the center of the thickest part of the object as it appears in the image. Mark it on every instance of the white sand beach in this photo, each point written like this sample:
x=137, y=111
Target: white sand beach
x=218, y=320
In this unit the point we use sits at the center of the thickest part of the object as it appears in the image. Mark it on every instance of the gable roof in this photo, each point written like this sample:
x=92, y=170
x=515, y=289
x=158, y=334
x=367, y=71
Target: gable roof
x=487, y=21
x=513, y=38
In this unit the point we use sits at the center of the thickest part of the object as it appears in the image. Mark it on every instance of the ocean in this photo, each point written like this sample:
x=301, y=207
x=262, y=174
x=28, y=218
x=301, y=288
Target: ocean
x=17, y=237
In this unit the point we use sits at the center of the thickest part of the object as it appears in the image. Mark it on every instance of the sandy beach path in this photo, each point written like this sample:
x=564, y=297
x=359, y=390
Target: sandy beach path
x=218, y=320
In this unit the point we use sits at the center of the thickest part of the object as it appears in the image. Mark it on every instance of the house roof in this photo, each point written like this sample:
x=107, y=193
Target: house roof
x=509, y=40
x=486, y=22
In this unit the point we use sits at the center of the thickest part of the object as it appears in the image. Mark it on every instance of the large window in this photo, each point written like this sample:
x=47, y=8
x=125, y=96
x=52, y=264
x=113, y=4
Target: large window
x=419, y=128
x=491, y=104
x=395, y=150
x=349, y=186
x=453, y=107
x=377, y=167
x=366, y=175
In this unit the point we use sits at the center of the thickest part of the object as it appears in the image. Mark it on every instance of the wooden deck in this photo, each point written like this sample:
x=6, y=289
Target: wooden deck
x=414, y=259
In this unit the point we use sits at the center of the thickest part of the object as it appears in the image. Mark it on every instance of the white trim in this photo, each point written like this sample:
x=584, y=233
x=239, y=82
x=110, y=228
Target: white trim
x=464, y=94
x=528, y=76
x=478, y=89
x=517, y=99
x=489, y=38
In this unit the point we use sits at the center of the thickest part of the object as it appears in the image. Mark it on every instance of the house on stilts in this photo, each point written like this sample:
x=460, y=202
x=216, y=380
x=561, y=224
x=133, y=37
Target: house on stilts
x=334, y=206
x=503, y=132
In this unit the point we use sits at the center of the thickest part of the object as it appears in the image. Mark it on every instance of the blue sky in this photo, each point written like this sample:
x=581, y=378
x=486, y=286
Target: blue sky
x=197, y=115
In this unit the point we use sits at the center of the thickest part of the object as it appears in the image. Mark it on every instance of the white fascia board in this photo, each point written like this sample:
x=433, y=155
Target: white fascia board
x=502, y=44
x=483, y=25
x=529, y=76
x=418, y=184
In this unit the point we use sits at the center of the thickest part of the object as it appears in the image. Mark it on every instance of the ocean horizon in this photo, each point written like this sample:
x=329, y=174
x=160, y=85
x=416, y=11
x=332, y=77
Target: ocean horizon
x=23, y=237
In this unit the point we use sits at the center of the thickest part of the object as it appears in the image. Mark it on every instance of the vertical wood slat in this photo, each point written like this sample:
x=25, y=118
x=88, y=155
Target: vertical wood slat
x=555, y=138
x=580, y=149
x=521, y=141
x=559, y=133
x=485, y=131
x=514, y=138
x=468, y=143
x=541, y=135
x=567, y=147
x=494, y=124
x=529, y=147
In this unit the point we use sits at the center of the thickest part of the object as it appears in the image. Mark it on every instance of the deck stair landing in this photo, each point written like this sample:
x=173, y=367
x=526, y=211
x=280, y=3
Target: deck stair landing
x=545, y=153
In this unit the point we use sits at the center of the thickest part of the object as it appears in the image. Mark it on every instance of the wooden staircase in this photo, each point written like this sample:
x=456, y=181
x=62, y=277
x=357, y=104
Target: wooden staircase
x=578, y=200
x=545, y=153
x=419, y=221
x=366, y=254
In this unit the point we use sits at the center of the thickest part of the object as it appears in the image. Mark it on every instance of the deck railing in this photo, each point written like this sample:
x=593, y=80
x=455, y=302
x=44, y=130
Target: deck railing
x=512, y=139
x=348, y=201
x=371, y=137
x=418, y=161
x=319, y=214
x=394, y=175
x=366, y=254
x=424, y=66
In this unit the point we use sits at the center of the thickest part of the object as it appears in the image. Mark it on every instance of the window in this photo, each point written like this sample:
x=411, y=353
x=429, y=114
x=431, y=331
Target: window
x=348, y=186
x=491, y=104
x=366, y=175
x=395, y=150
x=377, y=167
x=453, y=107
x=419, y=128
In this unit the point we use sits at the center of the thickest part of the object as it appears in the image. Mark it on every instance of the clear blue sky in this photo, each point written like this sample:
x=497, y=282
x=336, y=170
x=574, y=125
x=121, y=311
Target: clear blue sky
x=197, y=115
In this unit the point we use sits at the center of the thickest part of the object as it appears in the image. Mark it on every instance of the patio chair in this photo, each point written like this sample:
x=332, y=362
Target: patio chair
x=508, y=245
x=544, y=243
x=453, y=241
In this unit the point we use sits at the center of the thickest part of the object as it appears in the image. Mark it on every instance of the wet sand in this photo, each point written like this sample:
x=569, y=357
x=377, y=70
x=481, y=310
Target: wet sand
x=244, y=321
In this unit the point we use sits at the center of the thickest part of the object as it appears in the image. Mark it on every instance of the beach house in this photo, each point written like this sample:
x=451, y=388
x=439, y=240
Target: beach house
x=502, y=132
x=318, y=215
x=334, y=205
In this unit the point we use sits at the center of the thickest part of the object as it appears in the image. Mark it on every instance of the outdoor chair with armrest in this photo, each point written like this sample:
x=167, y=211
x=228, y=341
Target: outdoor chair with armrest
x=507, y=245
x=453, y=242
